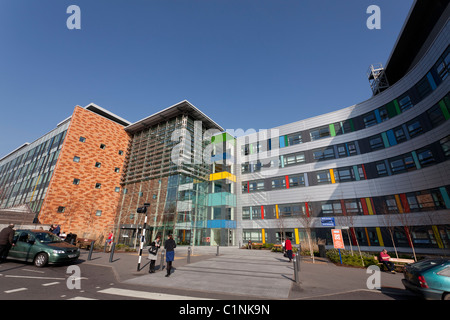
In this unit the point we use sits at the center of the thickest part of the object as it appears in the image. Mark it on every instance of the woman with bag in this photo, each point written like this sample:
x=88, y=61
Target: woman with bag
x=153, y=253
x=169, y=245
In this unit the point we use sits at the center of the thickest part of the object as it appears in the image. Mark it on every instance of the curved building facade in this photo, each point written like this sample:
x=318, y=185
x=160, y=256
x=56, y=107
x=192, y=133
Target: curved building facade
x=379, y=170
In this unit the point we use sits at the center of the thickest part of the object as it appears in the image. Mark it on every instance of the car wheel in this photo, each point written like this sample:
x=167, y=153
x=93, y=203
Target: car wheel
x=446, y=296
x=41, y=260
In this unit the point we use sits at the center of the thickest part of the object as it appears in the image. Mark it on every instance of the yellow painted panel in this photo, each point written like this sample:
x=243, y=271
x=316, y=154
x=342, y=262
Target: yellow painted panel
x=222, y=175
x=369, y=206
x=332, y=176
x=297, y=239
x=438, y=237
x=263, y=236
x=399, y=203
x=276, y=211
x=380, y=238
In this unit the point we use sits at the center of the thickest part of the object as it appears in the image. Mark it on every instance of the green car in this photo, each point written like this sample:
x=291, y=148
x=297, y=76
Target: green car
x=429, y=278
x=41, y=247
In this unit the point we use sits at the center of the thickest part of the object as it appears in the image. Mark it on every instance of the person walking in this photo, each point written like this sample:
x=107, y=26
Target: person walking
x=6, y=241
x=169, y=245
x=288, y=246
x=153, y=253
x=109, y=240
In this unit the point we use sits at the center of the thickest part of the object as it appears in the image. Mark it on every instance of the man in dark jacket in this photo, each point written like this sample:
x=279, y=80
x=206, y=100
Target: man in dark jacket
x=6, y=241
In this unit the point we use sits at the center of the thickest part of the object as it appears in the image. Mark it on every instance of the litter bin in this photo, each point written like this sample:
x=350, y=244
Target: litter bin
x=322, y=251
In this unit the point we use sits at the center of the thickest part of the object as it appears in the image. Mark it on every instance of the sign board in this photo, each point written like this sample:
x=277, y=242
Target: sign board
x=338, y=241
x=327, y=222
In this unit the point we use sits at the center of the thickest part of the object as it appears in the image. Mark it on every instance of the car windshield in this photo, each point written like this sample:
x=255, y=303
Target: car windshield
x=426, y=264
x=45, y=237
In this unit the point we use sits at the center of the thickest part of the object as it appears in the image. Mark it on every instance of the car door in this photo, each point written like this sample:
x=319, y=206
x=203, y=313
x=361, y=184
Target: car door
x=22, y=247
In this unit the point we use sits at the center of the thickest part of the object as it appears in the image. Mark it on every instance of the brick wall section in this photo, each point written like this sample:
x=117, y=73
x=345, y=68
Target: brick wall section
x=82, y=201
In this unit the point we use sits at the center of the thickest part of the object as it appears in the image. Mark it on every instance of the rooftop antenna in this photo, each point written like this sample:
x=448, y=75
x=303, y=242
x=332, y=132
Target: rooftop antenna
x=377, y=78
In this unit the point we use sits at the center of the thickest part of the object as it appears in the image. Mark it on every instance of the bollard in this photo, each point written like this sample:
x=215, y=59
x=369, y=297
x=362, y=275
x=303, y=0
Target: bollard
x=161, y=265
x=217, y=251
x=106, y=244
x=111, y=256
x=189, y=255
x=297, y=257
x=90, y=250
x=297, y=280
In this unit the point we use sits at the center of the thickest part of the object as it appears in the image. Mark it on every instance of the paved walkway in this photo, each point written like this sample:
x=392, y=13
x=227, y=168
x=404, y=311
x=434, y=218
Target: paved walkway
x=247, y=274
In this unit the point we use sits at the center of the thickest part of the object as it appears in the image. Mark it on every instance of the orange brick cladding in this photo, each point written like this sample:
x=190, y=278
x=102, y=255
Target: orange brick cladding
x=83, y=201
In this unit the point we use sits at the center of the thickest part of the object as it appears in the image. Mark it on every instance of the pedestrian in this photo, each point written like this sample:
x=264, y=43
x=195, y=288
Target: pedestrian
x=153, y=253
x=6, y=241
x=109, y=240
x=56, y=230
x=169, y=245
x=288, y=247
x=384, y=258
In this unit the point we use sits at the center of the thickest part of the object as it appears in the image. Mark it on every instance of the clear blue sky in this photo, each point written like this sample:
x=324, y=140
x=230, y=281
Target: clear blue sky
x=245, y=63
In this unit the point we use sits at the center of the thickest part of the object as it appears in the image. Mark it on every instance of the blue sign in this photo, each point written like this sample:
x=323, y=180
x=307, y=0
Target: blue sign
x=327, y=222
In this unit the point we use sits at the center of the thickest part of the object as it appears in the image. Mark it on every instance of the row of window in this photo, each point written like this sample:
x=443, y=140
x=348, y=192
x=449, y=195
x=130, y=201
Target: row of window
x=435, y=116
x=419, y=201
x=424, y=157
x=404, y=102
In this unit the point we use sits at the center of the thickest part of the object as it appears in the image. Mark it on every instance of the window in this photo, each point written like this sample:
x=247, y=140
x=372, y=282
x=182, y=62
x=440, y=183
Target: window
x=443, y=65
x=294, y=158
x=381, y=169
x=423, y=87
x=82, y=139
x=399, y=134
x=98, y=213
x=323, y=177
x=61, y=209
x=256, y=185
x=117, y=189
x=98, y=164
x=117, y=170
x=369, y=120
x=436, y=116
x=404, y=103
x=102, y=146
x=98, y=185
x=331, y=209
x=279, y=183
x=376, y=142
x=383, y=114
x=323, y=154
x=445, y=145
x=246, y=213
x=76, y=159
x=391, y=204
x=76, y=181
x=294, y=139
x=290, y=210
x=425, y=157
x=402, y=164
x=414, y=128
x=344, y=175
x=120, y=152
x=352, y=148
x=296, y=181
x=353, y=207
x=320, y=133
x=342, y=151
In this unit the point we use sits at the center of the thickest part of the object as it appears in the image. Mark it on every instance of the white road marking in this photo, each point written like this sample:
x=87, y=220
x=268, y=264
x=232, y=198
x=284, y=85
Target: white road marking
x=15, y=290
x=148, y=295
x=37, y=271
x=80, y=298
x=31, y=277
x=50, y=284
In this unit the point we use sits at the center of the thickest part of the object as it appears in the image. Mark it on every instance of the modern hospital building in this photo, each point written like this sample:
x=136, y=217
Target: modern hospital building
x=379, y=170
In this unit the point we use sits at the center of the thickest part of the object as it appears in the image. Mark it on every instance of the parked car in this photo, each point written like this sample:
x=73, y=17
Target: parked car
x=42, y=247
x=429, y=278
